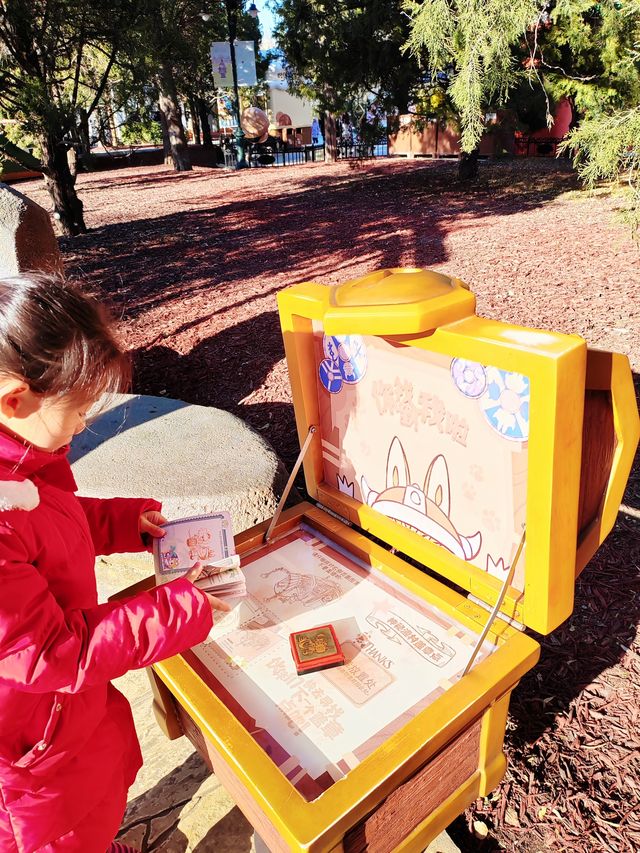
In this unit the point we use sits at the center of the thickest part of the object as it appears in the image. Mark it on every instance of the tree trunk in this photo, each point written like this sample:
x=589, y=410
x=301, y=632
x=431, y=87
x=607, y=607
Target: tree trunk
x=330, y=138
x=60, y=185
x=168, y=102
x=203, y=114
x=195, y=120
x=468, y=166
x=113, y=130
x=72, y=161
x=166, y=143
x=84, y=148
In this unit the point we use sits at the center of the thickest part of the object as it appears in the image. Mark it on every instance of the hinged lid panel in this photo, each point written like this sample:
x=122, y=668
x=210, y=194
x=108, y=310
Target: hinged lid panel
x=447, y=435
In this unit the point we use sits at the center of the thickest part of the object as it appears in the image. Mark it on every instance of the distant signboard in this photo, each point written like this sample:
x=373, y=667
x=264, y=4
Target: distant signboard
x=245, y=64
x=276, y=76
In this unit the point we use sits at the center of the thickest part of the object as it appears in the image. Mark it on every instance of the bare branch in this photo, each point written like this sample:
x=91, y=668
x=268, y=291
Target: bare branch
x=103, y=82
x=533, y=68
x=565, y=74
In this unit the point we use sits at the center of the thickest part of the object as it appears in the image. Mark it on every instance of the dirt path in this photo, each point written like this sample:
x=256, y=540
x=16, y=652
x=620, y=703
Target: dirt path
x=192, y=263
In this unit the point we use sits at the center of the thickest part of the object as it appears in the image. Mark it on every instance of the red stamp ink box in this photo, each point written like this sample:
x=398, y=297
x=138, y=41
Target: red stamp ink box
x=315, y=649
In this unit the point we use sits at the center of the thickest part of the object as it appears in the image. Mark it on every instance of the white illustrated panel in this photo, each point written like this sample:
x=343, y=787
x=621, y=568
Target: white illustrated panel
x=401, y=654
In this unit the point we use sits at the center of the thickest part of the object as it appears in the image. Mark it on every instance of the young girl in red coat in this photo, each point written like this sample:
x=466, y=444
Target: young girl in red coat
x=68, y=749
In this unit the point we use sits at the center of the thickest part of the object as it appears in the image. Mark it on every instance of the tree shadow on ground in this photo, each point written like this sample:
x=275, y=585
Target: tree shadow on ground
x=156, y=829
x=387, y=215
x=573, y=699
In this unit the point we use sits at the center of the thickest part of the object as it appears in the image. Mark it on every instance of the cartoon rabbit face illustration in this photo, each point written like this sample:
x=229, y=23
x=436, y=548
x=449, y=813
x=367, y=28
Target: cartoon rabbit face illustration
x=427, y=509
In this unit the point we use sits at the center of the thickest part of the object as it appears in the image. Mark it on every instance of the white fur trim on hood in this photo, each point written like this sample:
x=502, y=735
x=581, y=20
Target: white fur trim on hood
x=21, y=494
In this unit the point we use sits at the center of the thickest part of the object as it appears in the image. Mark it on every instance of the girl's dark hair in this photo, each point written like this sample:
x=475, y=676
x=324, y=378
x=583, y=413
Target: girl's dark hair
x=58, y=338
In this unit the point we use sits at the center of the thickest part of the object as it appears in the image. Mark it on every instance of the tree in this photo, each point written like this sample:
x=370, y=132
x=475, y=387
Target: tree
x=344, y=51
x=604, y=87
x=195, y=79
x=55, y=60
x=173, y=49
x=473, y=42
x=160, y=45
x=566, y=48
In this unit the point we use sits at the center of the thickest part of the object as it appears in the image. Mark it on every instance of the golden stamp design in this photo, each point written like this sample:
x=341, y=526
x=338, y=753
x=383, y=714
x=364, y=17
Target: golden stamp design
x=315, y=649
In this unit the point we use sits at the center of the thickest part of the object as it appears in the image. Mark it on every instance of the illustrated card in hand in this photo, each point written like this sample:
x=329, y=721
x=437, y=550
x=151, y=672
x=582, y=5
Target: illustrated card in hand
x=206, y=539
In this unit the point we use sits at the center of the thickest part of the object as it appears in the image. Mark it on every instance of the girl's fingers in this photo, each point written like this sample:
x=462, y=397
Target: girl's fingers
x=194, y=572
x=218, y=604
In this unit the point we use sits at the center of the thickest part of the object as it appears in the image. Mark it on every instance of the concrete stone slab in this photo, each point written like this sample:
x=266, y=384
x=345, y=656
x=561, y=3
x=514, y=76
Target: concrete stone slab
x=442, y=844
x=195, y=459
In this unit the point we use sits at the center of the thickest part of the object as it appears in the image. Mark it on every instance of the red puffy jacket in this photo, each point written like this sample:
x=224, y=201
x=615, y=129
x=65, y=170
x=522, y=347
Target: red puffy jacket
x=68, y=748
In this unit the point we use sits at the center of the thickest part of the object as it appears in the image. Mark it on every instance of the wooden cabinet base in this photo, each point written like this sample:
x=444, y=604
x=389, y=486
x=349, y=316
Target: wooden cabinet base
x=401, y=820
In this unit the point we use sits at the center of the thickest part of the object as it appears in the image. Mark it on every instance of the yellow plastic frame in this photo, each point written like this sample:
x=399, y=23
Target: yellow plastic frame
x=556, y=367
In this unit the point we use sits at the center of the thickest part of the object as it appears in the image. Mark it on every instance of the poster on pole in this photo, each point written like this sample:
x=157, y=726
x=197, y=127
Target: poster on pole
x=221, y=64
x=245, y=64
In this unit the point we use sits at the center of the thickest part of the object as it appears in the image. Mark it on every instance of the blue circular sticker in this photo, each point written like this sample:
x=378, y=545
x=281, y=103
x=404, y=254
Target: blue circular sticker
x=346, y=361
x=330, y=376
x=506, y=403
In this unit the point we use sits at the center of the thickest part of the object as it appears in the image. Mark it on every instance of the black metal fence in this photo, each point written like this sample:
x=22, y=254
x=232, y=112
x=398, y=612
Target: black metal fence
x=273, y=152
x=354, y=150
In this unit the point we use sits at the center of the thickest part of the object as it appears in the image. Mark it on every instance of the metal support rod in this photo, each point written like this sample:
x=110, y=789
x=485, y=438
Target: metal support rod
x=287, y=488
x=497, y=605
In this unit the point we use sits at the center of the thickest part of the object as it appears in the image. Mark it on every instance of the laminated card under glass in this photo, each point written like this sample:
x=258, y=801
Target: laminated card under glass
x=401, y=654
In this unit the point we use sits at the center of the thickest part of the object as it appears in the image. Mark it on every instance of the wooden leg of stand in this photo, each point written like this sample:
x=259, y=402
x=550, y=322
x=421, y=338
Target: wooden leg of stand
x=164, y=707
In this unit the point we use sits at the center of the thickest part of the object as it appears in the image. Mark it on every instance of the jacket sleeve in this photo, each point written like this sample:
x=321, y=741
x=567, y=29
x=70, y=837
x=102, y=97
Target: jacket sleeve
x=44, y=648
x=114, y=522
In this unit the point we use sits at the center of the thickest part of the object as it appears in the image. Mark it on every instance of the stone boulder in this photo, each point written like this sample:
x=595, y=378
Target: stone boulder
x=27, y=238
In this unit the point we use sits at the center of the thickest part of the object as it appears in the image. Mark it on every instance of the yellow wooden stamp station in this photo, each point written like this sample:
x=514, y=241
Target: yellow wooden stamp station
x=439, y=449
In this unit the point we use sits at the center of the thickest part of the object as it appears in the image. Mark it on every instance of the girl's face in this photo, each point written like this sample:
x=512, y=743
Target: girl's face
x=57, y=420
x=48, y=423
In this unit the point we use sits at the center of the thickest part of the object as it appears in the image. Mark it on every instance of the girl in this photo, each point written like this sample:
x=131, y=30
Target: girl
x=68, y=749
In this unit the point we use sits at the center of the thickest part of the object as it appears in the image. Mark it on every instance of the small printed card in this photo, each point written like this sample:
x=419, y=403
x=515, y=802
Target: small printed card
x=206, y=539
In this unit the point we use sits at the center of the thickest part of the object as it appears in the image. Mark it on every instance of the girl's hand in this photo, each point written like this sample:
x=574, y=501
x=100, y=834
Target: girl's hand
x=148, y=524
x=216, y=603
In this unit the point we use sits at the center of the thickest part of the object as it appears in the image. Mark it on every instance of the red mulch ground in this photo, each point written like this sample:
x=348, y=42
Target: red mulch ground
x=192, y=263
